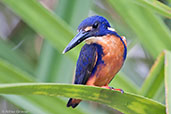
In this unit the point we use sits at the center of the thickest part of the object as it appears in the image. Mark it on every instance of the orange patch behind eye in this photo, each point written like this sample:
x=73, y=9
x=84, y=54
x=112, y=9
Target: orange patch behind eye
x=88, y=28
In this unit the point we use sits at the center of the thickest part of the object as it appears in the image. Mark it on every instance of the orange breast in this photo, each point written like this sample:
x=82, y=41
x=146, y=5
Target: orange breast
x=113, y=50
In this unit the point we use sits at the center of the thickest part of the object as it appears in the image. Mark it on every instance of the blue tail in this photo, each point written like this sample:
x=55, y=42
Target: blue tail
x=73, y=102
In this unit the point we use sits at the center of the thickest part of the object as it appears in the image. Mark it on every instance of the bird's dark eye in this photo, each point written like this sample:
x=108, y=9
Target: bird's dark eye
x=95, y=25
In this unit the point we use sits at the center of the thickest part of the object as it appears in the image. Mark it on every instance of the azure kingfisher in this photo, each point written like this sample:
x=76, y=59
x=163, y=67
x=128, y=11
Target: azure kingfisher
x=101, y=57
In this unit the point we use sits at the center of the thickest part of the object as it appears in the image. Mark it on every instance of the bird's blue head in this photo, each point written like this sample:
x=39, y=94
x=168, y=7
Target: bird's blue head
x=94, y=24
x=90, y=27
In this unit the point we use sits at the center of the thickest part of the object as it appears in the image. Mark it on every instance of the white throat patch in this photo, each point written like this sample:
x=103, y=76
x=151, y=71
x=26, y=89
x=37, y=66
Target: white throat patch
x=111, y=29
x=93, y=39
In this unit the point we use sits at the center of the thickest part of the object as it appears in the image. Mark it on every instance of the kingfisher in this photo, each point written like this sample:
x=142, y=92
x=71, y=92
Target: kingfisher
x=101, y=57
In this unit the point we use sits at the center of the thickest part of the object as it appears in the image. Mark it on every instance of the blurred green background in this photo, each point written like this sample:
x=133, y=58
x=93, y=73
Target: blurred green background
x=34, y=33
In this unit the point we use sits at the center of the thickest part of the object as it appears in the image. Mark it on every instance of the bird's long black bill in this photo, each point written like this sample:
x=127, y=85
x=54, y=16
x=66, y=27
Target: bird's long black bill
x=81, y=36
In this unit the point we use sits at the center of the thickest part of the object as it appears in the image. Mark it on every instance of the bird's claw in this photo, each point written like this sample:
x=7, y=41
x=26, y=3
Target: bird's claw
x=118, y=90
x=112, y=88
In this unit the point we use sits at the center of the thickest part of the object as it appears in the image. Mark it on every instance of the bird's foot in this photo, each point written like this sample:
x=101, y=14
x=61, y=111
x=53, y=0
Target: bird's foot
x=120, y=90
x=111, y=88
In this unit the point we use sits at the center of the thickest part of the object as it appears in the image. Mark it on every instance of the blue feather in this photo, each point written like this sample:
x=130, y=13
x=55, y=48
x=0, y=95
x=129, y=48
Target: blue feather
x=85, y=63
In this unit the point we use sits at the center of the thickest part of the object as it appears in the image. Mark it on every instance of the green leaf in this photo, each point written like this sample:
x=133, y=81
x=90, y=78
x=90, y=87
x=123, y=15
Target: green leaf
x=42, y=105
x=153, y=87
x=156, y=6
x=126, y=103
x=154, y=80
x=168, y=80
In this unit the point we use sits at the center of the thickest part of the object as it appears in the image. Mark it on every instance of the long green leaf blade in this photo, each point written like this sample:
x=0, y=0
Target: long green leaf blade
x=155, y=79
x=126, y=103
x=156, y=6
x=167, y=81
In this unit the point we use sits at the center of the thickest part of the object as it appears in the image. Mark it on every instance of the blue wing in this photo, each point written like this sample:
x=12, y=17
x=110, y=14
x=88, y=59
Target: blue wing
x=85, y=64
